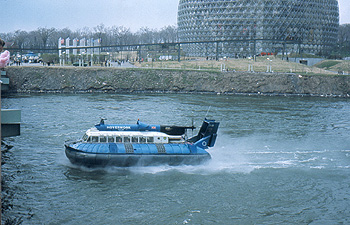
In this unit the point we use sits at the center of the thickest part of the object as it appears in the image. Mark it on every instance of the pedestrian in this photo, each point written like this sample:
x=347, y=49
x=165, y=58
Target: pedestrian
x=2, y=44
x=5, y=56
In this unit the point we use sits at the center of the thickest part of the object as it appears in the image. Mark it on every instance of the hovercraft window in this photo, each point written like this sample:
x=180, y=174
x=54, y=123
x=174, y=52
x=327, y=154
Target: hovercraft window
x=94, y=139
x=135, y=139
x=119, y=139
x=150, y=139
x=110, y=139
x=126, y=139
x=103, y=139
x=142, y=139
x=85, y=137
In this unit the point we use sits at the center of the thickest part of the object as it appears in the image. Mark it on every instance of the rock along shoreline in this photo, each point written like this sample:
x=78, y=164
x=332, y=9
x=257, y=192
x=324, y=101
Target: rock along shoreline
x=116, y=80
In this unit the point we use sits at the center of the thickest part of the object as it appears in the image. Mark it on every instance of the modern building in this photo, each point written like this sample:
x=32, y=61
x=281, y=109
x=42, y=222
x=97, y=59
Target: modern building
x=248, y=27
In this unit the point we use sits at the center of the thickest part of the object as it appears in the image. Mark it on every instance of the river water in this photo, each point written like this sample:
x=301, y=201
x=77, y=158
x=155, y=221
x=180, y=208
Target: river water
x=277, y=160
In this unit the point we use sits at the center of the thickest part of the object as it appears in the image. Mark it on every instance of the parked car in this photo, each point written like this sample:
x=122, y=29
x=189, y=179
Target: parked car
x=77, y=64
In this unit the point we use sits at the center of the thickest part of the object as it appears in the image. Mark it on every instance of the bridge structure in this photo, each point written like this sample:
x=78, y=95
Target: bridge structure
x=10, y=119
x=214, y=48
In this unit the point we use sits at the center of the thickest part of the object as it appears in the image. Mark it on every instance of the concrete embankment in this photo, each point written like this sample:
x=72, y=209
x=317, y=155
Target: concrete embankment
x=64, y=79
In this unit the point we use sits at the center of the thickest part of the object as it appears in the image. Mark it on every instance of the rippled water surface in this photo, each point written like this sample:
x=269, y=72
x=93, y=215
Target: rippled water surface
x=277, y=160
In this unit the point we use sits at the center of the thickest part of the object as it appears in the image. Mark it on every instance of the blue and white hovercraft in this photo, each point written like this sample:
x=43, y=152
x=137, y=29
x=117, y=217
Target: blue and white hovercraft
x=142, y=145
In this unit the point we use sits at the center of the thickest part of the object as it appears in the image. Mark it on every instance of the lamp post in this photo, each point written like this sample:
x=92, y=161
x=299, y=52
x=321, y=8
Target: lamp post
x=108, y=59
x=64, y=57
x=82, y=61
x=269, y=67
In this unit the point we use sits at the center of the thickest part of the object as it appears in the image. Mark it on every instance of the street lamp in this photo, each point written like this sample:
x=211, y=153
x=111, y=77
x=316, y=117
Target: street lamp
x=269, y=67
x=82, y=61
x=64, y=57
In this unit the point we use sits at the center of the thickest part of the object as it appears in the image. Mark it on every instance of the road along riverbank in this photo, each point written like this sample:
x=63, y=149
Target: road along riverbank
x=71, y=79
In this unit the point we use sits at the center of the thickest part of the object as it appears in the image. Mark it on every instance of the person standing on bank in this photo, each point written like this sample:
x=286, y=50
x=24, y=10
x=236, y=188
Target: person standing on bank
x=2, y=44
x=5, y=56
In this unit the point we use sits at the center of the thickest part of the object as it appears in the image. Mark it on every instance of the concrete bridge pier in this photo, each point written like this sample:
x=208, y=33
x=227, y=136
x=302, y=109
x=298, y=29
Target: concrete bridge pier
x=5, y=81
x=10, y=120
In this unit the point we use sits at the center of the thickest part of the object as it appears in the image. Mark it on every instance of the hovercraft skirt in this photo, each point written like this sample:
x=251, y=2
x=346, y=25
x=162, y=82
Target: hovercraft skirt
x=127, y=160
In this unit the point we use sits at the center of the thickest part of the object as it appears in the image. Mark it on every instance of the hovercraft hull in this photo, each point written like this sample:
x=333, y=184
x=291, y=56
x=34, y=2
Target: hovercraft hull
x=90, y=159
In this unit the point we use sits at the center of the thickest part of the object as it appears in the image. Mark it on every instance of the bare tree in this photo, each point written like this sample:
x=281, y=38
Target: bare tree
x=116, y=35
x=20, y=38
x=126, y=36
x=85, y=32
x=100, y=33
x=344, y=33
x=146, y=35
x=168, y=34
x=45, y=34
x=344, y=40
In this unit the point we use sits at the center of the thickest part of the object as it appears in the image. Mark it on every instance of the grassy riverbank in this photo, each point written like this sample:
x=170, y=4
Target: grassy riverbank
x=260, y=64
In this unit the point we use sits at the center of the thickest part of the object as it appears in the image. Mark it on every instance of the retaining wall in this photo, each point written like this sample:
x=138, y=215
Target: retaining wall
x=70, y=79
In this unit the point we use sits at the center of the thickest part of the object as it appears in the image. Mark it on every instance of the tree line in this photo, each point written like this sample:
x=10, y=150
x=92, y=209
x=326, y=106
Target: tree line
x=344, y=40
x=46, y=38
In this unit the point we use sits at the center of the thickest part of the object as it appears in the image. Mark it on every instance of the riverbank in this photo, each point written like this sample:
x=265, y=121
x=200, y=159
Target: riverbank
x=97, y=79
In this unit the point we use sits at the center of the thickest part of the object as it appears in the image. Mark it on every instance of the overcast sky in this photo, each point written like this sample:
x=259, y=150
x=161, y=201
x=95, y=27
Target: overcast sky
x=29, y=15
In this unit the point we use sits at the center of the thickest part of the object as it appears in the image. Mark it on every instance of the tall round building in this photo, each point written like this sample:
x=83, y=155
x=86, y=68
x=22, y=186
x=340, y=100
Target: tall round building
x=247, y=27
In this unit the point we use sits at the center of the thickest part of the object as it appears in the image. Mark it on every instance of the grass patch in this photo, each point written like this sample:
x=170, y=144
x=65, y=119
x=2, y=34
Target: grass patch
x=327, y=64
x=303, y=55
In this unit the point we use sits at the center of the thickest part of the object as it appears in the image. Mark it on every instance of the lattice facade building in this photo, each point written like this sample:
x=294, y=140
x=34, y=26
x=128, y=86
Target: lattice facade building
x=247, y=27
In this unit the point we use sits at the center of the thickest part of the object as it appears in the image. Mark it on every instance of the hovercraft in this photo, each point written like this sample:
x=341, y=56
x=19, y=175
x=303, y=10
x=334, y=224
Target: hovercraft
x=142, y=144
